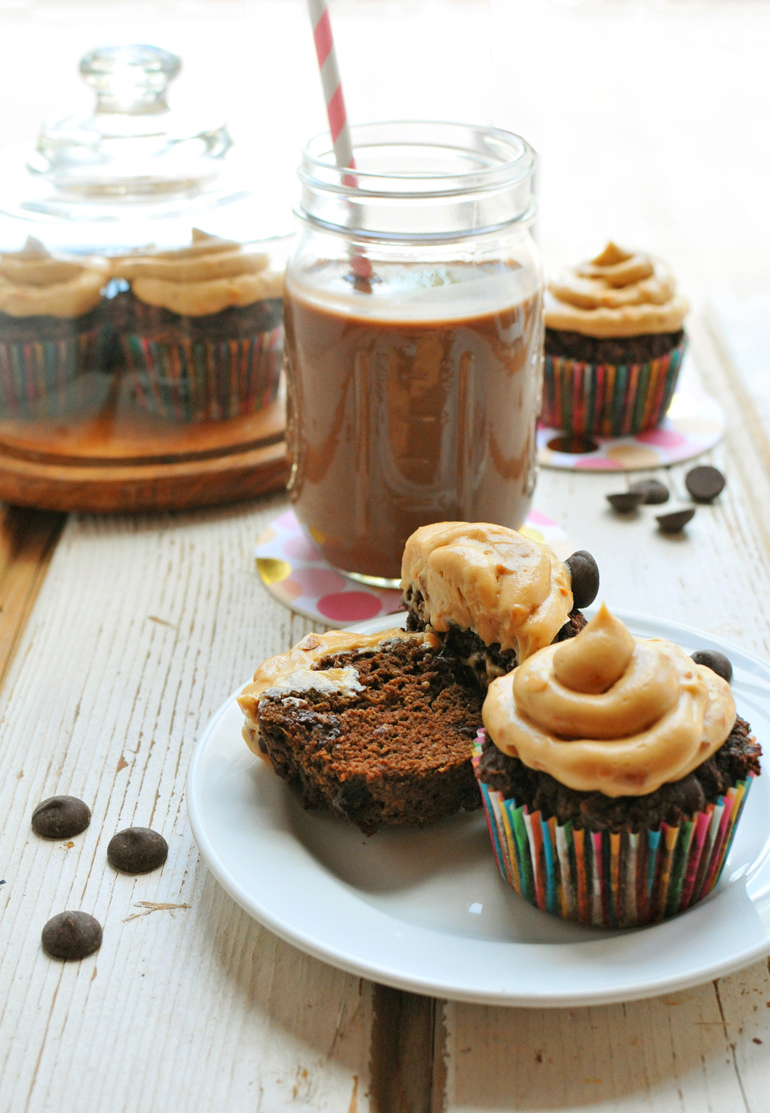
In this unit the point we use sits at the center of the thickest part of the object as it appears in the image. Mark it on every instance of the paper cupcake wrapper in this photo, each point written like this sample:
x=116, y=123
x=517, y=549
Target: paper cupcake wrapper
x=205, y=380
x=607, y=399
x=611, y=879
x=36, y=375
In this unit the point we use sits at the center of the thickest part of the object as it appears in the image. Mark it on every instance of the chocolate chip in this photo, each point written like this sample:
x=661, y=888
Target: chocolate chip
x=137, y=850
x=626, y=501
x=704, y=483
x=675, y=521
x=60, y=817
x=715, y=661
x=585, y=578
x=71, y=935
x=652, y=490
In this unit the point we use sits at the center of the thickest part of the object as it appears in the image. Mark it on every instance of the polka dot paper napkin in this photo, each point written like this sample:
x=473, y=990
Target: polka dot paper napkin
x=695, y=422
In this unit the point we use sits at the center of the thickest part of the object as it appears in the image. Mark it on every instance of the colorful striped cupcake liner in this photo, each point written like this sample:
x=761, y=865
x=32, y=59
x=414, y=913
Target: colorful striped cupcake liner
x=609, y=400
x=606, y=878
x=209, y=380
x=36, y=376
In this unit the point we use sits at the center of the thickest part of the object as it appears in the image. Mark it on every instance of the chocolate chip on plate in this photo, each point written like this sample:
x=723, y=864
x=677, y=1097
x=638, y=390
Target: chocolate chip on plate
x=704, y=483
x=71, y=935
x=60, y=817
x=676, y=520
x=137, y=850
x=715, y=661
x=585, y=578
x=626, y=501
x=652, y=490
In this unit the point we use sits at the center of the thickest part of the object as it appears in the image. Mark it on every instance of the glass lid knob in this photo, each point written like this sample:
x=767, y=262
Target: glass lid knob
x=133, y=146
x=131, y=78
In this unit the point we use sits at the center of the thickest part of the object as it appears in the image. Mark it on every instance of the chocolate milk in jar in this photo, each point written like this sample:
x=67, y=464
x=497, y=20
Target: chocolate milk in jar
x=413, y=312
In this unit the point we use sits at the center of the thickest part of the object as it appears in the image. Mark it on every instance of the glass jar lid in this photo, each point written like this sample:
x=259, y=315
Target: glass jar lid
x=135, y=170
x=133, y=145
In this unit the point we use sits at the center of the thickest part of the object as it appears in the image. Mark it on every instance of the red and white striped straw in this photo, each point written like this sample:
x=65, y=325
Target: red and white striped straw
x=338, y=120
x=332, y=87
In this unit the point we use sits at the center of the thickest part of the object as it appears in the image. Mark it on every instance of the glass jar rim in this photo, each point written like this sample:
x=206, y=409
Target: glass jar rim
x=501, y=157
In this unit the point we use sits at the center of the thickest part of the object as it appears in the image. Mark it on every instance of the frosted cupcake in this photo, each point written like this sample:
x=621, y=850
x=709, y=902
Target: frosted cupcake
x=201, y=329
x=613, y=772
x=52, y=328
x=614, y=345
x=492, y=595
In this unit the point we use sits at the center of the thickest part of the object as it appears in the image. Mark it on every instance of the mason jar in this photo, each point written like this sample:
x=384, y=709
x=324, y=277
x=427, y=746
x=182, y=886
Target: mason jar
x=414, y=339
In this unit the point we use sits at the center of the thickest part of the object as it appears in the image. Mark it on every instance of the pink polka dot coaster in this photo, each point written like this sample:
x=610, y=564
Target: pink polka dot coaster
x=695, y=422
x=292, y=569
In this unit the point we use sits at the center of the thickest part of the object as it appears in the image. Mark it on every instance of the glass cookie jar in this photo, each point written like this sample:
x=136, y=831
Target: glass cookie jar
x=141, y=304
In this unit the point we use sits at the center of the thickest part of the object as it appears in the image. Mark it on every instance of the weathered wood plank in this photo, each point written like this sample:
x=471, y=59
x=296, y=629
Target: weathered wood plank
x=142, y=627
x=27, y=540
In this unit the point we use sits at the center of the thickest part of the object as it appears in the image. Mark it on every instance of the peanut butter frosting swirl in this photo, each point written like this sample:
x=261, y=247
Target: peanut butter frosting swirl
x=35, y=283
x=506, y=587
x=297, y=670
x=208, y=276
x=619, y=293
x=607, y=712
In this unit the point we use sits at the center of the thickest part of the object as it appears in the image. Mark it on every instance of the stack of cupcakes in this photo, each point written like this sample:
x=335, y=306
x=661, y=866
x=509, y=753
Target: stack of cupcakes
x=53, y=327
x=614, y=345
x=201, y=329
x=613, y=772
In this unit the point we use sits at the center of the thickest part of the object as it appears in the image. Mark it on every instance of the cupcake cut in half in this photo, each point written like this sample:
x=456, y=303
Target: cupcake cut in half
x=379, y=728
x=613, y=771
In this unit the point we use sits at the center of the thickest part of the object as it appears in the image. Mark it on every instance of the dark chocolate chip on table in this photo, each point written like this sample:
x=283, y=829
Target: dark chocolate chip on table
x=653, y=492
x=585, y=578
x=137, y=850
x=625, y=501
x=676, y=520
x=60, y=817
x=715, y=661
x=71, y=935
x=704, y=483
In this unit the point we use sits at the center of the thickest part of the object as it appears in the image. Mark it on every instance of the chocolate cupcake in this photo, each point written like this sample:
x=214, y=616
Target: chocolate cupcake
x=378, y=729
x=201, y=329
x=52, y=328
x=613, y=772
x=614, y=345
x=492, y=595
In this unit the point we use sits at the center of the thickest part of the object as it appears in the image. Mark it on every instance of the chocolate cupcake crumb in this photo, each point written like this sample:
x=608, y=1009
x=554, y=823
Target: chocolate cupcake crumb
x=60, y=817
x=137, y=850
x=71, y=935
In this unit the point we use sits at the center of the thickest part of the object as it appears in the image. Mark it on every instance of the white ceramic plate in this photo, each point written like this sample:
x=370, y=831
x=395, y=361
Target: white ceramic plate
x=428, y=911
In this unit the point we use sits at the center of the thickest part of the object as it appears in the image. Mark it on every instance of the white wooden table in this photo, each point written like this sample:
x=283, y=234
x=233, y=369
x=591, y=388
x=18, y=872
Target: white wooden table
x=120, y=637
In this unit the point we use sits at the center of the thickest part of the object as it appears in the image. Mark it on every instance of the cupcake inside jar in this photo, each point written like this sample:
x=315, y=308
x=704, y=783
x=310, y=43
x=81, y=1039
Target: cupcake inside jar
x=53, y=328
x=200, y=328
x=141, y=302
